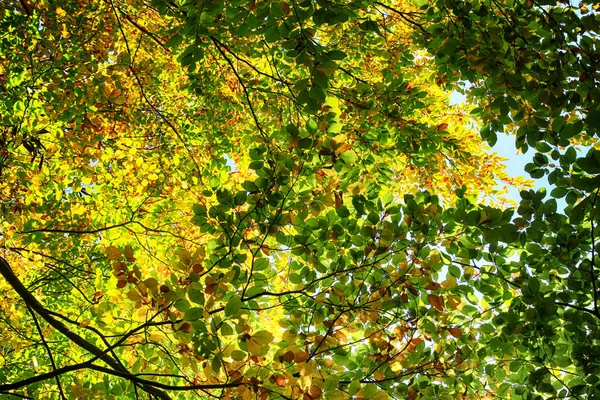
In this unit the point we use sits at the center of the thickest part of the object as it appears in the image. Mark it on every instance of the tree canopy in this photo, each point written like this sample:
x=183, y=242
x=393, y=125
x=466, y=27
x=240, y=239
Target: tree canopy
x=278, y=200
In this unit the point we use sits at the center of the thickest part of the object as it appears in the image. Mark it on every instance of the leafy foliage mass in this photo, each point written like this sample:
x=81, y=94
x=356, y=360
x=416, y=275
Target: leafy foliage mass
x=276, y=199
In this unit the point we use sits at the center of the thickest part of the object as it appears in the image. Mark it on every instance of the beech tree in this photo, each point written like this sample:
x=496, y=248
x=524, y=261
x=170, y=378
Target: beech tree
x=277, y=199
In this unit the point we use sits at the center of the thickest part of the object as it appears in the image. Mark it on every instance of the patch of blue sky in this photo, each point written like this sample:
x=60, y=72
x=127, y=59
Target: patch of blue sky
x=515, y=160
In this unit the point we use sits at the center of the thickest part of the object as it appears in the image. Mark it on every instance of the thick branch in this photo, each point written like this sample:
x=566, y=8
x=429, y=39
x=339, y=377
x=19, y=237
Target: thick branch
x=35, y=305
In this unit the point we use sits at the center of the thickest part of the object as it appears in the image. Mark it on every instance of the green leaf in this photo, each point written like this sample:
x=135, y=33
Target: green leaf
x=196, y=296
x=174, y=41
x=534, y=285
x=233, y=306
x=593, y=119
x=589, y=165
x=193, y=314
x=261, y=264
x=238, y=355
x=336, y=55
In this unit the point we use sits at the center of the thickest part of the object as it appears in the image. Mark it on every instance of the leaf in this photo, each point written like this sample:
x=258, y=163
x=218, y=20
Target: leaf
x=593, y=119
x=174, y=41
x=194, y=314
x=336, y=55
x=380, y=395
x=128, y=253
x=453, y=302
x=196, y=296
x=134, y=295
x=263, y=337
x=534, y=285
x=436, y=302
x=331, y=383
x=327, y=67
x=280, y=380
x=233, y=306
x=314, y=392
x=301, y=356
x=113, y=253
x=238, y=355
x=261, y=264
x=455, y=332
x=185, y=256
x=589, y=165
x=448, y=283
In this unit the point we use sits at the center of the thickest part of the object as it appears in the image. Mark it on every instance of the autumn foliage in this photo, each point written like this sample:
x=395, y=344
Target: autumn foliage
x=278, y=199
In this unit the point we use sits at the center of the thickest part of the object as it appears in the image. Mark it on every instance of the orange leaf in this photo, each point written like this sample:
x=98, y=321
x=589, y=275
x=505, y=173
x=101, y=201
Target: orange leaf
x=301, y=356
x=433, y=286
x=280, y=380
x=129, y=254
x=338, y=199
x=453, y=302
x=211, y=288
x=314, y=392
x=455, y=332
x=113, y=253
x=436, y=302
x=287, y=356
x=441, y=127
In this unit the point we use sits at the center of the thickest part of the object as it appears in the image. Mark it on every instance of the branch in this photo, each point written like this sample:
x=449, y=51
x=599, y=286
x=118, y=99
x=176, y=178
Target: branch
x=45, y=376
x=142, y=29
x=35, y=305
x=587, y=310
x=79, y=232
x=403, y=16
x=593, y=257
x=239, y=78
x=156, y=111
x=48, y=350
x=26, y=7
x=137, y=379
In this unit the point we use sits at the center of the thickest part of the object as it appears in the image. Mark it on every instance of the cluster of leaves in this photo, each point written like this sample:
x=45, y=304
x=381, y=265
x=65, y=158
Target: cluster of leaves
x=276, y=199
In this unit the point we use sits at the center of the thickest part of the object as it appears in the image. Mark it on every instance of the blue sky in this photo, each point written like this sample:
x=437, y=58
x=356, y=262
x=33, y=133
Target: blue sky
x=516, y=161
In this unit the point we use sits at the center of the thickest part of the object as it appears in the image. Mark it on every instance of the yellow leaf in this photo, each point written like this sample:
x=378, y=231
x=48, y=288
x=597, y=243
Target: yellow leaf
x=113, y=293
x=448, y=283
x=356, y=188
x=199, y=255
x=134, y=295
x=381, y=395
x=263, y=337
x=253, y=347
x=289, y=336
x=336, y=395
